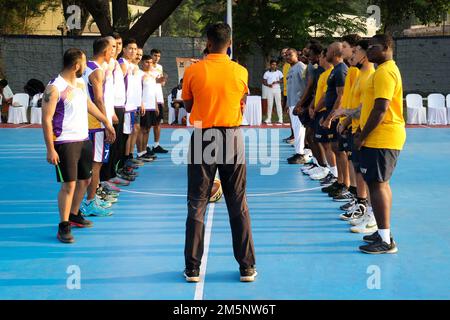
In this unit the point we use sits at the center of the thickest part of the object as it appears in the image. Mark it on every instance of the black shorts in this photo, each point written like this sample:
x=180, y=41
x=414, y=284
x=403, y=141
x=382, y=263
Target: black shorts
x=377, y=165
x=304, y=117
x=149, y=119
x=160, y=116
x=322, y=134
x=137, y=117
x=75, y=161
x=343, y=141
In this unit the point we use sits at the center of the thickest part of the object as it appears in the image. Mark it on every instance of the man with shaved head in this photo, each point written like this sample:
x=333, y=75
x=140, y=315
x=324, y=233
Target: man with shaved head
x=325, y=129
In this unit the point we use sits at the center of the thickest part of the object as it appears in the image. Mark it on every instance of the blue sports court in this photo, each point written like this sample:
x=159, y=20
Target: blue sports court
x=303, y=250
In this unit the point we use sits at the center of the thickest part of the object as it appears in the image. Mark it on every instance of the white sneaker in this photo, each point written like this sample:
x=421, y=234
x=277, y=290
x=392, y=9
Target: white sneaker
x=358, y=221
x=368, y=225
x=313, y=170
x=307, y=167
x=320, y=174
x=307, y=152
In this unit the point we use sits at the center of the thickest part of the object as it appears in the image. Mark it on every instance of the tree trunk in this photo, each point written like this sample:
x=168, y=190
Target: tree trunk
x=99, y=9
x=120, y=15
x=151, y=20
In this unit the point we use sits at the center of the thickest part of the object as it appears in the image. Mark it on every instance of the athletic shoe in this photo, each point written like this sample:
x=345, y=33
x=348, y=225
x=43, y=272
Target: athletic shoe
x=149, y=158
x=311, y=170
x=358, y=212
x=290, y=141
x=308, y=152
x=102, y=203
x=92, y=209
x=374, y=237
x=288, y=138
x=341, y=189
x=129, y=171
x=192, y=275
x=159, y=149
x=107, y=198
x=133, y=163
x=297, y=159
x=150, y=153
x=119, y=181
x=331, y=187
x=367, y=225
x=248, y=274
x=107, y=186
x=79, y=221
x=357, y=221
x=144, y=158
x=344, y=197
x=125, y=176
x=65, y=233
x=105, y=192
x=308, y=166
x=379, y=247
x=320, y=174
x=348, y=206
x=328, y=180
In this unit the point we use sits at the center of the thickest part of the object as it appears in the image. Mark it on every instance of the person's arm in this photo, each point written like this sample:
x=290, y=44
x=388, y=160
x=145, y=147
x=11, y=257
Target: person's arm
x=96, y=78
x=49, y=101
x=308, y=91
x=337, y=105
x=187, y=96
x=376, y=116
x=94, y=111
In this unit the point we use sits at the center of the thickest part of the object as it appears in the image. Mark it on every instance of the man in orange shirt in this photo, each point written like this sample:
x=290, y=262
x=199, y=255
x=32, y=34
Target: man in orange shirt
x=214, y=90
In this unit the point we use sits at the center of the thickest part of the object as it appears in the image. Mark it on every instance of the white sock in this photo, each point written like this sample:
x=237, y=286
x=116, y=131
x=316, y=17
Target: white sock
x=156, y=144
x=385, y=234
x=334, y=171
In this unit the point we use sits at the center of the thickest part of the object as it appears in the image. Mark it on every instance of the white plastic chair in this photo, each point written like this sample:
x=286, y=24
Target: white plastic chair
x=416, y=112
x=36, y=112
x=18, y=110
x=448, y=108
x=437, y=113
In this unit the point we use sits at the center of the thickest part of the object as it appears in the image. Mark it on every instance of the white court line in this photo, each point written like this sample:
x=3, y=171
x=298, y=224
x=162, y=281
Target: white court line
x=201, y=284
x=24, y=126
x=248, y=195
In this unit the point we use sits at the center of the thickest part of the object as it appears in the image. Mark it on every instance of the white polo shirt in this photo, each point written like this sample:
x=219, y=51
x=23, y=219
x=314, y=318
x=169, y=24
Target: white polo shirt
x=272, y=76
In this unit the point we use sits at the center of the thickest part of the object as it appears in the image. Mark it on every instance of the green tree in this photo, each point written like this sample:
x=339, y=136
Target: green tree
x=394, y=13
x=271, y=25
x=15, y=15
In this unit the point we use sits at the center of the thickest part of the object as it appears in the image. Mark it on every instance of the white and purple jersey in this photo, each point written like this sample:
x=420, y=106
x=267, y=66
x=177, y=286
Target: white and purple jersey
x=132, y=81
x=108, y=88
x=120, y=94
x=70, y=121
x=94, y=123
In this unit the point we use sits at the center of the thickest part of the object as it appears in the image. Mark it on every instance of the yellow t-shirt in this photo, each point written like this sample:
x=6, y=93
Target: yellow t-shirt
x=286, y=68
x=350, y=79
x=217, y=86
x=357, y=93
x=385, y=83
x=322, y=87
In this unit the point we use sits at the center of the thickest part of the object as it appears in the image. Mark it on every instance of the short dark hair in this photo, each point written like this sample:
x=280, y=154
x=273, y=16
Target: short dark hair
x=351, y=39
x=219, y=34
x=364, y=44
x=154, y=50
x=324, y=51
x=3, y=83
x=316, y=48
x=128, y=41
x=146, y=57
x=385, y=40
x=71, y=57
x=116, y=35
x=100, y=45
x=273, y=61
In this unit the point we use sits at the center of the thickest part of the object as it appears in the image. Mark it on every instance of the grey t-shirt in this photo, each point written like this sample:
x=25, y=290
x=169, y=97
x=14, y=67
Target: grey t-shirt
x=295, y=83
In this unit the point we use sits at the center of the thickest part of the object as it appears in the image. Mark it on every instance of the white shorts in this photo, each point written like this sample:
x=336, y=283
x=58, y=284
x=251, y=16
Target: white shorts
x=101, y=149
x=128, y=122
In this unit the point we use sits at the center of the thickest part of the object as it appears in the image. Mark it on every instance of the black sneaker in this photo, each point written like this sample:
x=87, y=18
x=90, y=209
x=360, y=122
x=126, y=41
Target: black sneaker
x=374, y=237
x=192, y=275
x=121, y=174
x=347, y=206
x=150, y=153
x=379, y=247
x=344, y=196
x=334, y=186
x=159, y=149
x=79, y=221
x=64, y=233
x=288, y=138
x=339, y=190
x=248, y=274
x=328, y=180
x=144, y=158
x=297, y=159
x=358, y=211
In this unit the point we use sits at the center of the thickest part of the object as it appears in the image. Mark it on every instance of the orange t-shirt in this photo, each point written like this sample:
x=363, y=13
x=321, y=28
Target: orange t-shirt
x=216, y=85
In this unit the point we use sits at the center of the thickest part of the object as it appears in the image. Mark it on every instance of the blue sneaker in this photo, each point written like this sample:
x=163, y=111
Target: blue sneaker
x=102, y=203
x=92, y=209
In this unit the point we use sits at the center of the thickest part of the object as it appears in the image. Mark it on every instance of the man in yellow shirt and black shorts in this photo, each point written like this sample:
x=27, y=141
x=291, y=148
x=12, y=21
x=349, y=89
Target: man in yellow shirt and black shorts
x=381, y=138
x=214, y=91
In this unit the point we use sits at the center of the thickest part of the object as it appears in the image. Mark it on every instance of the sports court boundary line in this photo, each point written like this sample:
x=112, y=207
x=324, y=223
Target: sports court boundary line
x=248, y=195
x=199, y=287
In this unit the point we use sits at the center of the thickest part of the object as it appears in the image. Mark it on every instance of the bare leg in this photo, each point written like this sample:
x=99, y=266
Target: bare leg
x=157, y=132
x=95, y=180
x=65, y=197
x=381, y=198
x=78, y=195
